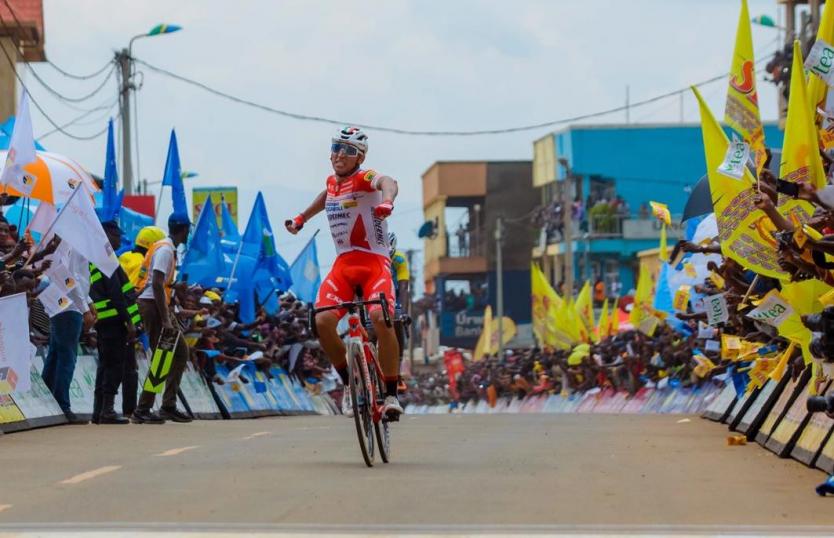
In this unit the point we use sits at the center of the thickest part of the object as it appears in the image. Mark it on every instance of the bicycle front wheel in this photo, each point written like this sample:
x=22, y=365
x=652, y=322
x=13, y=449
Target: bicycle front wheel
x=362, y=407
x=381, y=426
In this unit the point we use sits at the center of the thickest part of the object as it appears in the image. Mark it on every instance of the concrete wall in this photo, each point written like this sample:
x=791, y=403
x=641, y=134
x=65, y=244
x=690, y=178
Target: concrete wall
x=510, y=194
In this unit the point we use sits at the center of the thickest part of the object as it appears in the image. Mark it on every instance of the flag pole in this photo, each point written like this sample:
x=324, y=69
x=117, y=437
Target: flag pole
x=51, y=226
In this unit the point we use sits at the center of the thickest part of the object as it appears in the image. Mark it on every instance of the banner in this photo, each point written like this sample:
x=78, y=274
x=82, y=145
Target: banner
x=742, y=109
x=743, y=229
x=717, y=311
x=15, y=348
x=218, y=195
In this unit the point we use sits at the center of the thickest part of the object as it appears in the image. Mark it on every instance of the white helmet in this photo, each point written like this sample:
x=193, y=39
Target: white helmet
x=353, y=136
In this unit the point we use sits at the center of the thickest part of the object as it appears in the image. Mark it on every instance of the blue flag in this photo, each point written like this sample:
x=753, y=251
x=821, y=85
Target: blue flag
x=229, y=230
x=261, y=272
x=306, y=277
x=173, y=176
x=259, y=243
x=203, y=261
x=110, y=199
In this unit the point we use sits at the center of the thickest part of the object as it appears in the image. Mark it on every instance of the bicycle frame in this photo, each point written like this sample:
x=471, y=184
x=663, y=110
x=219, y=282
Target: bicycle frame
x=357, y=335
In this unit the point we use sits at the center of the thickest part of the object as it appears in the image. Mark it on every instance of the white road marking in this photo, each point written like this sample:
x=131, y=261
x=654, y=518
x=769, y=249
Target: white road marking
x=175, y=451
x=91, y=474
x=5, y=507
x=256, y=434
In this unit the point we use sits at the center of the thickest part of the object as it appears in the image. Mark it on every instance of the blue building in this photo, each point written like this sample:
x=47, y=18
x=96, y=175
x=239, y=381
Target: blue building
x=616, y=171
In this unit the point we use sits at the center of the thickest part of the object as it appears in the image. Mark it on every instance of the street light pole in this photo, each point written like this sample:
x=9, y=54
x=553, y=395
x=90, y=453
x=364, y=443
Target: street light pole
x=124, y=60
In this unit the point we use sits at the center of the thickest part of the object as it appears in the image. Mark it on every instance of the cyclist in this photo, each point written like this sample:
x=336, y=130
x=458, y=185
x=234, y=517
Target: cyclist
x=356, y=201
x=401, y=275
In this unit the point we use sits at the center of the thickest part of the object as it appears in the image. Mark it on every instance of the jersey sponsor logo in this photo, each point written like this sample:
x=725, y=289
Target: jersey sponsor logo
x=347, y=204
x=370, y=175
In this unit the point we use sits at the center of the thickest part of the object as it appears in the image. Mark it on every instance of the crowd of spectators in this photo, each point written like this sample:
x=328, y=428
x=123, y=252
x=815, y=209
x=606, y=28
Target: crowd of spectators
x=683, y=350
x=212, y=328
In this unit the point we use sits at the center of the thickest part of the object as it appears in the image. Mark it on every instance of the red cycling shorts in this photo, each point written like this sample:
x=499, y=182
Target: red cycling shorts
x=370, y=272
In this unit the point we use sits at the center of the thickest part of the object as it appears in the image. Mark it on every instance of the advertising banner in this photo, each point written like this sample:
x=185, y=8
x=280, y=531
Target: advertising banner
x=217, y=194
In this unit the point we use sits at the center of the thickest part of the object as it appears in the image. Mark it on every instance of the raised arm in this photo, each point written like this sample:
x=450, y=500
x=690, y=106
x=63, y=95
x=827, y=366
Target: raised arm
x=317, y=206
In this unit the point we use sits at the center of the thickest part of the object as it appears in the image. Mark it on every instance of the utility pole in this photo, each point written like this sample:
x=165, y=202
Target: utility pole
x=499, y=279
x=627, y=106
x=567, y=226
x=126, y=85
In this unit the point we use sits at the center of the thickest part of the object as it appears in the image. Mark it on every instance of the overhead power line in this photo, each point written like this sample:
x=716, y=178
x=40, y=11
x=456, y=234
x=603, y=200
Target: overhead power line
x=415, y=132
x=63, y=97
x=80, y=77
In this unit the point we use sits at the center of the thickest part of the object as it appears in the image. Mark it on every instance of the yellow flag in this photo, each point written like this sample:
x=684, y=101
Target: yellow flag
x=740, y=223
x=538, y=292
x=548, y=326
x=801, y=161
x=664, y=249
x=817, y=89
x=603, y=326
x=482, y=348
x=615, y=317
x=661, y=212
x=742, y=110
x=508, y=330
x=806, y=296
x=642, y=297
x=777, y=311
x=777, y=373
x=681, y=299
x=585, y=306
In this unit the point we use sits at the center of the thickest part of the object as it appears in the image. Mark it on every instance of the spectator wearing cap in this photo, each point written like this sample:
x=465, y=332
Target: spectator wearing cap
x=156, y=279
x=117, y=316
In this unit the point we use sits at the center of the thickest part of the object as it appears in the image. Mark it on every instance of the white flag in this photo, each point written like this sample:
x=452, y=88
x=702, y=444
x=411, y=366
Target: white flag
x=773, y=310
x=15, y=354
x=78, y=225
x=735, y=160
x=717, y=311
x=820, y=61
x=43, y=218
x=54, y=300
x=21, y=152
x=60, y=275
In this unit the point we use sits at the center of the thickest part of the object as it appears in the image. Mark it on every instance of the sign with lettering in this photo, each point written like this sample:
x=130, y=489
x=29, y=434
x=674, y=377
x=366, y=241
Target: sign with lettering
x=820, y=61
x=738, y=153
x=773, y=310
x=717, y=311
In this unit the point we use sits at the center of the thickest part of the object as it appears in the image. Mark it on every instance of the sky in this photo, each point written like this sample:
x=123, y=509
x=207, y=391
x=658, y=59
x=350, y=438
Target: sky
x=424, y=65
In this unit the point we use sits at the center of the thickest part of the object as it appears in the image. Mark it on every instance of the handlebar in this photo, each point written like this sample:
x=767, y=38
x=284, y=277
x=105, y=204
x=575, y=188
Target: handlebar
x=351, y=307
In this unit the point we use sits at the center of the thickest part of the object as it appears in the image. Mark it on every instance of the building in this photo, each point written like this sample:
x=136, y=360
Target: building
x=22, y=37
x=463, y=201
x=628, y=164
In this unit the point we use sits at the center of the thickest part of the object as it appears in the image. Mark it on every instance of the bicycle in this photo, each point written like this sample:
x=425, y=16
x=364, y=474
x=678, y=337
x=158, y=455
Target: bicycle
x=364, y=376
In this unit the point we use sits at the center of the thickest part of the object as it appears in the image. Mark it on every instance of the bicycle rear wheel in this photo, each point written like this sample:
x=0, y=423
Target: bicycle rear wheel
x=361, y=400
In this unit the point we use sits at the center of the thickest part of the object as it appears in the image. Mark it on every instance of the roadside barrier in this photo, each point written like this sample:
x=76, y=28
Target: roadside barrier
x=262, y=395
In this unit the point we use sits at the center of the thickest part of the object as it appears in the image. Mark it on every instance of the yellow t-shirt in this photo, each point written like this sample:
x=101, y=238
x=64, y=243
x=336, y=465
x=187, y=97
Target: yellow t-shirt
x=399, y=267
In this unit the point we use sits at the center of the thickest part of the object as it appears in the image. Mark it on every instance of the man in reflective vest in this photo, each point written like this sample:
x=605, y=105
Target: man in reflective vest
x=156, y=278
x=116, y=319
x=131, y=262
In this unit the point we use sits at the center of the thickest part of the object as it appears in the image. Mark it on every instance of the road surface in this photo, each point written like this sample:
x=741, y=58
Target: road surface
x=508, y=473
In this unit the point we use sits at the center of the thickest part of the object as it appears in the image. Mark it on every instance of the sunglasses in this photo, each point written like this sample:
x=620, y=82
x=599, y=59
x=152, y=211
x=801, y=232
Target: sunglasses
x=350, y=151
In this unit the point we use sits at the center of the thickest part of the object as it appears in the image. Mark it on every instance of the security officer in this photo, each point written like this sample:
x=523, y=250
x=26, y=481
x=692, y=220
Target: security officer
x=116, y=325
x=131, y=262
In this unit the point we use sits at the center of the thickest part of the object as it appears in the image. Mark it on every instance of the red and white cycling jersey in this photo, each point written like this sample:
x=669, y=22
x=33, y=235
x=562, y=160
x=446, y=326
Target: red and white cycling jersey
x=350, y=212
